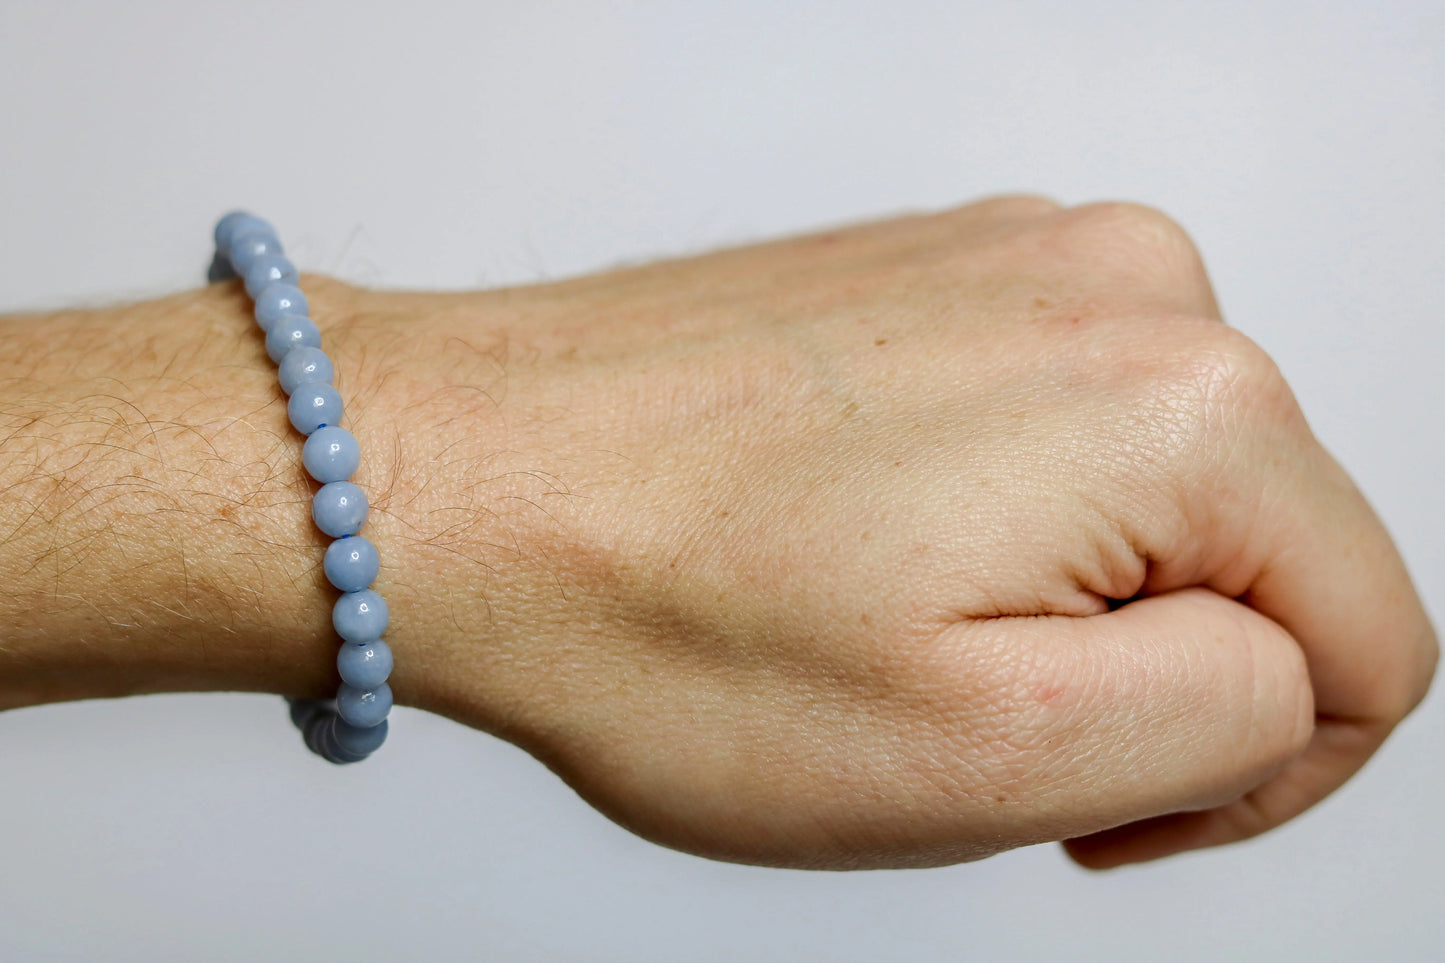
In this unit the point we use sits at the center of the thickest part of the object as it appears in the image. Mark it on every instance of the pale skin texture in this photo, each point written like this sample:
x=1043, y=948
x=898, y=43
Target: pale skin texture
x=898, y=545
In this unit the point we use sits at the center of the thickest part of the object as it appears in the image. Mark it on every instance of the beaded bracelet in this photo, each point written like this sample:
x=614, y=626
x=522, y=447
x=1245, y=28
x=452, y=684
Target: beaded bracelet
x=353, y=726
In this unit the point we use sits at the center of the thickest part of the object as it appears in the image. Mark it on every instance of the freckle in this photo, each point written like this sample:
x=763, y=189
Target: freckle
x=1041, y=302
x=865, y=619
x=724, y=513
x=880, y=342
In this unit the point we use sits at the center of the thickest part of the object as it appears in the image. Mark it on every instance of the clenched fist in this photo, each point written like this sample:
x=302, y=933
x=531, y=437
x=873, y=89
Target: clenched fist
x=897, y=545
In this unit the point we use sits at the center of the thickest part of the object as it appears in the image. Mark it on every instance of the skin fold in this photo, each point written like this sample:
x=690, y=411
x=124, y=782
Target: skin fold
x=895, y=545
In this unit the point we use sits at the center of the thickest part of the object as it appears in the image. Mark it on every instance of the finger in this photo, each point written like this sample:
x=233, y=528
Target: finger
x=1326, y=571
x=1335, y=747
x=1181, y=701
x=1129, y=254
x=1335, y=581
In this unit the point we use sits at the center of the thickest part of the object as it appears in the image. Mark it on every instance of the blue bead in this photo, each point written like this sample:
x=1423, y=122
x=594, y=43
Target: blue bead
x=360, y=616
x=247, y=248
x=320, y=736
x=303, y=709
x=311, y=733
x=235, y=224
x=291, y=331
x=278, y=299
x=220, y=270
x=331, y=454
x=268, y=269
x=306, y=364
x=225, y=226
x=364, y=665
x=351, y=564
x=331, y=745
x=339, y=508
x=356, y=740
x=312, y=406
x=363, y=708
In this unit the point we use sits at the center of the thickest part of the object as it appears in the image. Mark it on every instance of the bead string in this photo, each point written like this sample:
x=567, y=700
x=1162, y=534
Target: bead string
x=353, y=726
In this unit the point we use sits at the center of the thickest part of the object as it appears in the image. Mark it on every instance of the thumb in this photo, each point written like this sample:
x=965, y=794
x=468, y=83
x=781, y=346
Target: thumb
x=1182, y=701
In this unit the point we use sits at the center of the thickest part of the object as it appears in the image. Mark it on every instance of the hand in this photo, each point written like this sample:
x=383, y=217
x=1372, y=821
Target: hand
x=897, y=545
x=910, y=543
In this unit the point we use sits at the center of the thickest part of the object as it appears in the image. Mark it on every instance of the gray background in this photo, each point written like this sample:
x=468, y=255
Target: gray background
x=450, y=145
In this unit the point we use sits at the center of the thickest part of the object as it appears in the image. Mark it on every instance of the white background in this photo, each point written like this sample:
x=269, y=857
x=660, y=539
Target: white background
x=449, y=145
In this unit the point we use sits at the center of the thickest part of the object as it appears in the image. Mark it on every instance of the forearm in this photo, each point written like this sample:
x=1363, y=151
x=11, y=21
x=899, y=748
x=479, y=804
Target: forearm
x=153, y=527
x=155, y=530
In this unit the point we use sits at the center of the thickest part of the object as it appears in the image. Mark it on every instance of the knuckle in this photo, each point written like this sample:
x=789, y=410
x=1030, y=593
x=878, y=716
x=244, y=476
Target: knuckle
x=1008, y=213
x=1137, y=240
x=1429, y=661
x=1240, y=376
x=1413, y=680
x=1130, y=228
x=1016, y=206
x=1214, y=392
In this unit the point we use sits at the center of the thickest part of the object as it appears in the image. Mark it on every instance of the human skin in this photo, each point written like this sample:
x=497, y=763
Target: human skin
x=897, y=545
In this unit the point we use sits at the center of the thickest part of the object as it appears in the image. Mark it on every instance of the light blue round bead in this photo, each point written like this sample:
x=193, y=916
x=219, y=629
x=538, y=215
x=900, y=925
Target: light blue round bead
x=312, y=406
x=339, y=508
x=354, y=726
x=220, y=270
x=320, y=736
x=225, y=226
x=351, y=564
x=331, y=454
x=247, y=248
x=360, y=616
x=304, y=365
x=358, y=741
x=279, y=299
x=363, y=708
x=267, y=269
x=291, y=331
x=364, y=665
x=233, y=225
x=303, y=709
x=331, y=746
x=311, y=732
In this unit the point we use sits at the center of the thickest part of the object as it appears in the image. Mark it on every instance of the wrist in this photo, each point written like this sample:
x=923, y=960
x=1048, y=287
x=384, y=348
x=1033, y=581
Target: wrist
x=155, y=523
x=466, y=496
x=155, y=531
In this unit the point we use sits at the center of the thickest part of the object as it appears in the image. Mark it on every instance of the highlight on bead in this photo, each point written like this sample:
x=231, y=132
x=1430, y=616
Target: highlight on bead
x=354, y=724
